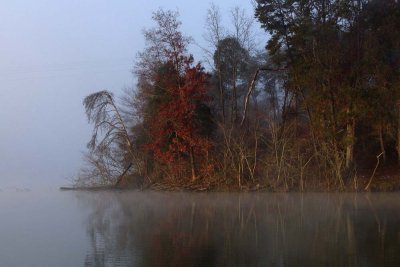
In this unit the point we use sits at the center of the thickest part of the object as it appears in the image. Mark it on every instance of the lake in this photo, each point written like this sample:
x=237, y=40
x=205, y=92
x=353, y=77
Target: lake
x=126, y=228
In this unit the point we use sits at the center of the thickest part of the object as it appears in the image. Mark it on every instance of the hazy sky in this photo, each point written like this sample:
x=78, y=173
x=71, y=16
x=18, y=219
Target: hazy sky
x=53, y=54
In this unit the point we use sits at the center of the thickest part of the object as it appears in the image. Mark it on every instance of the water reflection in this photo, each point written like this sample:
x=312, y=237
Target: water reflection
x=176, y=229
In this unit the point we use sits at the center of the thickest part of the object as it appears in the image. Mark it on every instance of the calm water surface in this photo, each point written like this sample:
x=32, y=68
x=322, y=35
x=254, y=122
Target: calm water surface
x=177, y=229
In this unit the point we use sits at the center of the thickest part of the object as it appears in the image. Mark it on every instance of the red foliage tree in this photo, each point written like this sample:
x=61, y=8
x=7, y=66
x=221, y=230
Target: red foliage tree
x=178, y=135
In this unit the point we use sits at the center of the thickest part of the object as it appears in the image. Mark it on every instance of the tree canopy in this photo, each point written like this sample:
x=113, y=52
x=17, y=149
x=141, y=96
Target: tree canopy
x=320, y=107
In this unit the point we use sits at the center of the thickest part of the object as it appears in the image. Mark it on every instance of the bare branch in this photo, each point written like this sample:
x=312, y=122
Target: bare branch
x=251, y=87
x=107, y=121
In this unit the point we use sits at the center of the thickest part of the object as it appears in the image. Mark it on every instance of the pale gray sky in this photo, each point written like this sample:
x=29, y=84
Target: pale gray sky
x=53, y=54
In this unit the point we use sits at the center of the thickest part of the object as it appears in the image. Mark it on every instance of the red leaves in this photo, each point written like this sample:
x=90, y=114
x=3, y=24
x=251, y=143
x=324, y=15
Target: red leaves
x=175, y=129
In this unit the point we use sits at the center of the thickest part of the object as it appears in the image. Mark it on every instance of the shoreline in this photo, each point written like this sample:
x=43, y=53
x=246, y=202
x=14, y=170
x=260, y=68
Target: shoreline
x=379, y=186
x=385, y=180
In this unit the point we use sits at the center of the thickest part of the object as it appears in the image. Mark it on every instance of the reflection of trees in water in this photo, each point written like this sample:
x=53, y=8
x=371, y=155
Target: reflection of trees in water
x=109, y=229
x=161, y=229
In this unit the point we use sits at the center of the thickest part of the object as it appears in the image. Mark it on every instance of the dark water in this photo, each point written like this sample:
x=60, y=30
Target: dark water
x=176, y=229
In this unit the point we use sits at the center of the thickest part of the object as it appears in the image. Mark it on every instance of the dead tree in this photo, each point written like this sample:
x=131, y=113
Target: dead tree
x=110, y=132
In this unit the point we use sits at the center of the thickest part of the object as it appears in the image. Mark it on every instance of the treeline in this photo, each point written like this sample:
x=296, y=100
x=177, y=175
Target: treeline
x=314, y=110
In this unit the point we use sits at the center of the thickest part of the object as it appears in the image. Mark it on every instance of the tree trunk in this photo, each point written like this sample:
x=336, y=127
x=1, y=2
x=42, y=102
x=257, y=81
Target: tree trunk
x=381, y=142
x=398, y=132
x=221, y=88
x=234, y=98
x=350, y=142
x=192, y=165
x=120, y=178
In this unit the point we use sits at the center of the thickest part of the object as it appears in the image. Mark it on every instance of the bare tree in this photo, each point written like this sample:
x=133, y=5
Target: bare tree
x=243, y=29
x=215, y=33
x=104, y=114
x=163, y=42
x=110, y=146
x=100, y=168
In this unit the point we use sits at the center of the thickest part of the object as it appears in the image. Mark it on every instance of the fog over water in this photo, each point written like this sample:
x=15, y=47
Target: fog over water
x=123, y=228
x=53, y=54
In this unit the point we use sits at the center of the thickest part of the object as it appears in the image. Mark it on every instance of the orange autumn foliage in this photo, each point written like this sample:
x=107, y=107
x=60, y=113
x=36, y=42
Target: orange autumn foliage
x=177, y=129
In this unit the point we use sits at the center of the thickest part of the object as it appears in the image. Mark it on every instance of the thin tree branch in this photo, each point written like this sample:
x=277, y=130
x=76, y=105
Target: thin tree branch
x=251, y=88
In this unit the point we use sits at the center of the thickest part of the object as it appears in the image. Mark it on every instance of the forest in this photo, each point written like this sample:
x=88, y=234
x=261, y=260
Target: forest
x=315, y=108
